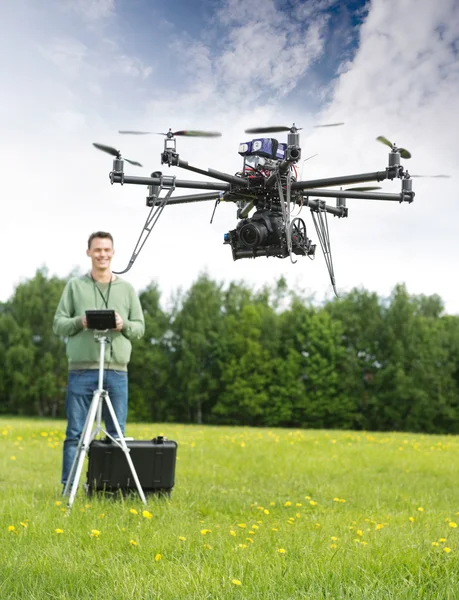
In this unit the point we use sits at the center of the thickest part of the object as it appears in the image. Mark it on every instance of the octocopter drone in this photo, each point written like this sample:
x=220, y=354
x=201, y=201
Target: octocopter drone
x=267, y=183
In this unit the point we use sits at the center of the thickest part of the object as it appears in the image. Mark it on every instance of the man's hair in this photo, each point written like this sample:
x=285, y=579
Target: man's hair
x=99, y=234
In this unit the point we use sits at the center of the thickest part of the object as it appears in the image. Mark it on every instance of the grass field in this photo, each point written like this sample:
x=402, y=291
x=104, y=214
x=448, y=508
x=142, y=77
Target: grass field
x=256, y=513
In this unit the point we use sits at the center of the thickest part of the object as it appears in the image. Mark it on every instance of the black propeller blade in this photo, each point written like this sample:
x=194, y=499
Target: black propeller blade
x=170, y=133
x=402, y=151
x=329, y=125
x=278, y=128
x=114, y=152
x=274, y=129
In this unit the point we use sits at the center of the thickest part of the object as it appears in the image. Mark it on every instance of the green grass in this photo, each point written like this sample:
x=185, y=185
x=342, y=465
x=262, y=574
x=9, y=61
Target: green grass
x=359, y=515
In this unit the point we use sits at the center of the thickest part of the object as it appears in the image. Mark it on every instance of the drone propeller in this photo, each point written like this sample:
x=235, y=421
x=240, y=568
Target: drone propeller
x=279, y=128
x=402, y=151
x=170, y=133
x=114, y=152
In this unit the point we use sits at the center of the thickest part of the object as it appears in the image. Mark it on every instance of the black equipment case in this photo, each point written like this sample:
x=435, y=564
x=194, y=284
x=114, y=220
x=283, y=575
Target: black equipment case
x=154, y=461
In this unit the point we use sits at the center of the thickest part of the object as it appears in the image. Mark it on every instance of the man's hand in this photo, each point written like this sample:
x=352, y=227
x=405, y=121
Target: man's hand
x=119, y=322
x=84, y=322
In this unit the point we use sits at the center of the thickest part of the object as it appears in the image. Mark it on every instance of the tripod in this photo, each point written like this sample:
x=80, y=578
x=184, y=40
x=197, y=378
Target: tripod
x=95, y=416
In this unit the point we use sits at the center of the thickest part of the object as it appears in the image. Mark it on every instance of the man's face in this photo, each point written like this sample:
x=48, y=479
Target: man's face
x=101, y=253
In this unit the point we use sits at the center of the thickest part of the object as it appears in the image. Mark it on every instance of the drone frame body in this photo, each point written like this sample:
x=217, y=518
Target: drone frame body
x=246, y=192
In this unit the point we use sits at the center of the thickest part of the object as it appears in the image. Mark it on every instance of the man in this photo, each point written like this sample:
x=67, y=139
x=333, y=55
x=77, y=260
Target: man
x=99, y=289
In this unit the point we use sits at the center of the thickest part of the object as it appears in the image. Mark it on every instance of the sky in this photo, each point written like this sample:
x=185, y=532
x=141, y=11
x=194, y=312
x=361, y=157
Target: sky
x=74, y=72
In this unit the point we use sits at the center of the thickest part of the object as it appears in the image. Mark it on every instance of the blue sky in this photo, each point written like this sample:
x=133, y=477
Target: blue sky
x=73, y=72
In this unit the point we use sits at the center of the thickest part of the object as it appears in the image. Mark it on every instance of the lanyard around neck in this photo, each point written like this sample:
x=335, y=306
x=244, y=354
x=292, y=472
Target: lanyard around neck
x=105, y=300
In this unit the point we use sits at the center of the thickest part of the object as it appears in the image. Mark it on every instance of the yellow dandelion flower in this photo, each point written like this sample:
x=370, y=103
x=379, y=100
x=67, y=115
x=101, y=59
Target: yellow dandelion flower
x=252, y=532
x=95, y=533
x=12, y=457
x=420, y=509
x=411, y=519
x=452, y=524
x=442, y=540
x=250, y=540
x=298, y=516
x=281, y=550
x=11, y=528
x=334, y=538
x=24, y=524
x=133, y=511
x=275, y=529
x=182, y=539
x=242, y=545
x=312, y=502
x=379, y=526
x=307, y=497
x=205, y=531
x=335, y=499
x=59, y=530
x=242, y=525
x=435, y=544
x=256, y=526
x=58, y=503
x=233, y=533
x=446, y=549
x=364, y=543
x=357, y=541
x=266, y=511
x=133, y=542
x=342, y=500
x=332, y=546
x=87, y=506
x=207, y=546
x=147, y=514
x=158, y=557
x=236, y=582
x=260, y=522
x=298, y=504
x=274, y=504
x=288, y=503
x=359, y=532
x=318, y=525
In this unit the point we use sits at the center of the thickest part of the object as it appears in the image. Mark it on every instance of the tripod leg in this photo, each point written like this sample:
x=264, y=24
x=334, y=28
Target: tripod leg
x=83, y=447
x=122, y=442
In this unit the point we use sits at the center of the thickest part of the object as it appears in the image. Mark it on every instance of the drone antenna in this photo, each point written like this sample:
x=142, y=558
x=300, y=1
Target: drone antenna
x=302, y=167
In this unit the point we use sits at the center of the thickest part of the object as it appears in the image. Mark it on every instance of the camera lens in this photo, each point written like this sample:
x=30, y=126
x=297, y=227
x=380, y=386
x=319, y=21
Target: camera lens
x=253, y=234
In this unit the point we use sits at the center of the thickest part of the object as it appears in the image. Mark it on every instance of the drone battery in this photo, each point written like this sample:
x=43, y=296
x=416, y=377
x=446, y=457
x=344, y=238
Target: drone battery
x=266, y=147
x=154, y=462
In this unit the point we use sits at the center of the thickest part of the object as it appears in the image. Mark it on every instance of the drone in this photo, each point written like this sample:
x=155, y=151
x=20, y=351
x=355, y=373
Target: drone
x=268, y=185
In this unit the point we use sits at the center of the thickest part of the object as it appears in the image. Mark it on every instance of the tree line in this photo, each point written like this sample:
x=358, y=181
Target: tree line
x=229, y=354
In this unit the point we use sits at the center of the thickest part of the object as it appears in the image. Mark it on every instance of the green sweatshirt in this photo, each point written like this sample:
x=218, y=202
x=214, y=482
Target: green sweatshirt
x=81, y=294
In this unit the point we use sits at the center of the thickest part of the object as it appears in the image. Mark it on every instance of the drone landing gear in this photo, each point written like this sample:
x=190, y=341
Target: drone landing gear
x=157, y=206
x=319, y=216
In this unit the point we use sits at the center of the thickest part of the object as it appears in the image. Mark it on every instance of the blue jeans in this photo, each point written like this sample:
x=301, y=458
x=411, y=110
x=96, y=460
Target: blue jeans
x=80, y=388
